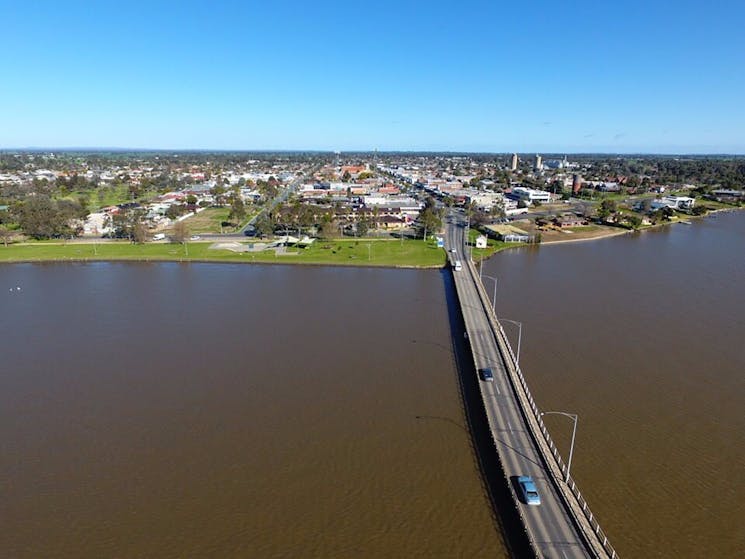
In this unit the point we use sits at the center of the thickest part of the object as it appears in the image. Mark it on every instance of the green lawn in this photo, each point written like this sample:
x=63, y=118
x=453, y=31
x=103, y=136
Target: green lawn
x=108, y=196
x=492, y=246
x=341, y=252
x=210, y=220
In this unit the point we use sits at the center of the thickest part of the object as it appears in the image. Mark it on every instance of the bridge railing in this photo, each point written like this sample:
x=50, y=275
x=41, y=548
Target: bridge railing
x=566, y=484
x=505, y=478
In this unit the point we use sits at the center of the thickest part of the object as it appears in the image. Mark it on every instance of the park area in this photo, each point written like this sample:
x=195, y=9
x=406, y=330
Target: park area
x=368, y=252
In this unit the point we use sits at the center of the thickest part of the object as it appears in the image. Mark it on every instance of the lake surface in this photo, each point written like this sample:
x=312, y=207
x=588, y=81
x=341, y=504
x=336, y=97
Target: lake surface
x=644, y=337
x=167, y=410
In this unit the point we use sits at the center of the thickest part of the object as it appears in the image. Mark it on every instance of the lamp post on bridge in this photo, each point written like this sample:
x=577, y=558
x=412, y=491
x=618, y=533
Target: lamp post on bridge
x=574, y=417
x=469, y=250
x=494, y=297
x=519, y=337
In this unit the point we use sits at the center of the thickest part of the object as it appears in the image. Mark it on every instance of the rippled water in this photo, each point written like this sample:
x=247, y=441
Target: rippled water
x=644, y=337
x=167, y=410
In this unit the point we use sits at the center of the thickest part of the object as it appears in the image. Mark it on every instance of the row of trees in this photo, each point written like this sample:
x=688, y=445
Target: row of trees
x=302, y=217
x=41, y=217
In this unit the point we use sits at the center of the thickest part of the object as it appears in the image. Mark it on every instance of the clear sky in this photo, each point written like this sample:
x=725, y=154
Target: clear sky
x=591, y=75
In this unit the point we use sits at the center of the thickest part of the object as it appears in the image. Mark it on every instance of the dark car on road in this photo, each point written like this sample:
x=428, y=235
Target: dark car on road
x=486, y=375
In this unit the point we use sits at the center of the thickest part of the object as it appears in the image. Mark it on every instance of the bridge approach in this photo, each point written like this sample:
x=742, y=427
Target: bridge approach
x=562, y=526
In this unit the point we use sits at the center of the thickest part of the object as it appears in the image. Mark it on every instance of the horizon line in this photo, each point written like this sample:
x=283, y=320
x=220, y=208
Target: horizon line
x=88, y=149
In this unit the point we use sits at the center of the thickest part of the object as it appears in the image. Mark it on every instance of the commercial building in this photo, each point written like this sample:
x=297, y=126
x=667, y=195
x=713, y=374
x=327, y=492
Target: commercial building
x=530, y=195
x=485, y=201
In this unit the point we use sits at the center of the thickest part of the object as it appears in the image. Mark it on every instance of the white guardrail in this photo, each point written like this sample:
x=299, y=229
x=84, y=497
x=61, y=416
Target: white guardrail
x=576, y=503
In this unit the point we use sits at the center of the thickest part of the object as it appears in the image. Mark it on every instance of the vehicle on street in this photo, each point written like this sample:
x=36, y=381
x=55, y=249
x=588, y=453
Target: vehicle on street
x=486, y=375
x=529, y=491
x=194, y=238
x=457, y=266
x=453, y=250
x=159, y=236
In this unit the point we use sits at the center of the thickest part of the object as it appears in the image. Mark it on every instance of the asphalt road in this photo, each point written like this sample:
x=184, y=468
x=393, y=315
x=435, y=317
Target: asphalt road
x=550, y=526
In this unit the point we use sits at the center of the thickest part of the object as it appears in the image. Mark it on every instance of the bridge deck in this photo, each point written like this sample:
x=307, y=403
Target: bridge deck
x=556, y=527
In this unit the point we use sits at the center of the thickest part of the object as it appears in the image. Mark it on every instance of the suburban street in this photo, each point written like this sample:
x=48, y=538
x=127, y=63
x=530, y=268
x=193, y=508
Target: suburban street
x=550, y=527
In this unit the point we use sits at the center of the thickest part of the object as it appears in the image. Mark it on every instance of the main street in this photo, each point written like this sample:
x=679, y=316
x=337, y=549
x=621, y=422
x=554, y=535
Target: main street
x=549, y=525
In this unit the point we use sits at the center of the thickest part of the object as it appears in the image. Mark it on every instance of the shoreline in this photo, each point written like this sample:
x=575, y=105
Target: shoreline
x=72, y=260
x=587, y=239
x=642, y=230
x=279, y=261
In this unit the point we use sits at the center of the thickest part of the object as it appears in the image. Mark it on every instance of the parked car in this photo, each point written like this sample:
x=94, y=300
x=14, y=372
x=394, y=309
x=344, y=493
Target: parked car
x=529, y=490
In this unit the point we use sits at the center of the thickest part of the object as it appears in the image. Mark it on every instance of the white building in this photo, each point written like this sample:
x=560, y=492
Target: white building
x=674, y=202
x=96, y=224
x=390, y=201
x=531, y=195
x=485, y=201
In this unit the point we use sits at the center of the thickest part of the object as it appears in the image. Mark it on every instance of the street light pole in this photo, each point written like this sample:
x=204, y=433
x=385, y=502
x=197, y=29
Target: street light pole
x=574, y=417
x=468, y=231
x=494, y=297
x=519, y=337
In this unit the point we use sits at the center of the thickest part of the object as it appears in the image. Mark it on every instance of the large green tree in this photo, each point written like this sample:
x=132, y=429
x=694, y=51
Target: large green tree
x=430, y=221
x=607, y=207
x=129, y=224
x=264, y=225
x=362, y=227
x=237, y=210
x=42, y=218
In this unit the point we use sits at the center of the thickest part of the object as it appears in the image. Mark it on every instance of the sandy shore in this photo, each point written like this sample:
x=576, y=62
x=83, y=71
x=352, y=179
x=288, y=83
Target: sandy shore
x=602, y=235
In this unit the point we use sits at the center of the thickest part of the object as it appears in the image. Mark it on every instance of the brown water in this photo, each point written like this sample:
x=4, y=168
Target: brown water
x=170, y=410
x=644, y=337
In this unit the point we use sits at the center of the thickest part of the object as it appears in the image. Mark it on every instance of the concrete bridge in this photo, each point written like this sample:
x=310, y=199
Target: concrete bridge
x=562, y=526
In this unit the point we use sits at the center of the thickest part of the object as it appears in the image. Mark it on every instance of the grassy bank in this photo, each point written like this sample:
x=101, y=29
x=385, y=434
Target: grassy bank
x=392, y=253
x=492, y=246
x=211, y=220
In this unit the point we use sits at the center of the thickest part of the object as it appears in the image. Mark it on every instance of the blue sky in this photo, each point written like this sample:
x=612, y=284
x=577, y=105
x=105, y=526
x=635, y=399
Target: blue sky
x=654, y=76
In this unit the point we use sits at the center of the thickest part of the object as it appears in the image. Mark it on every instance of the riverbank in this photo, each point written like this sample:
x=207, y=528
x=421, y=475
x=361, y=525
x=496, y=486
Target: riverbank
x=339, y=252
x=376, y=253
x=610, y=231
